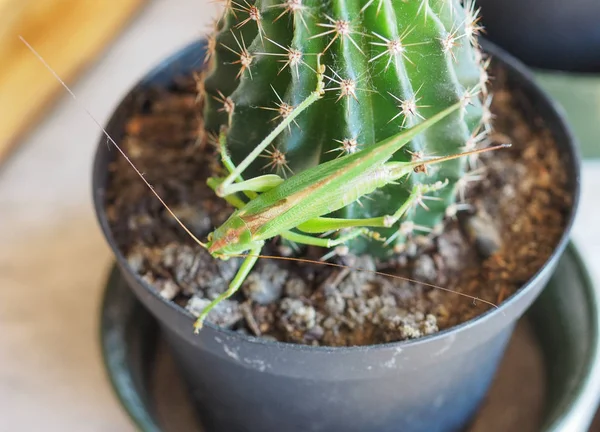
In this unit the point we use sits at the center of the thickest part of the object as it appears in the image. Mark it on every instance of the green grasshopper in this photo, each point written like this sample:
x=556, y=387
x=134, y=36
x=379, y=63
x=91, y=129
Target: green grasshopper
x=301, y=201
x=276, y=206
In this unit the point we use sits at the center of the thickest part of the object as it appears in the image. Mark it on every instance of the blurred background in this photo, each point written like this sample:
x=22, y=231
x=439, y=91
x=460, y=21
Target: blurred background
x=53, y=258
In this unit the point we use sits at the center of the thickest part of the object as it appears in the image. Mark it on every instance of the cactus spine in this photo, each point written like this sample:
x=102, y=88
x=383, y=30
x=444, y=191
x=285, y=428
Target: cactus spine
x=390, y=64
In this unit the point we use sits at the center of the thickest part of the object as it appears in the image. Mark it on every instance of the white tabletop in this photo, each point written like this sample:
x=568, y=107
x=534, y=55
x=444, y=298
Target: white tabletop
x=53, y=259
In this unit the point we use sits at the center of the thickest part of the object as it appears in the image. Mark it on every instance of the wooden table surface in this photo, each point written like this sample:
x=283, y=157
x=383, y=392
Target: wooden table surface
x=71, y=34
x=53, y=258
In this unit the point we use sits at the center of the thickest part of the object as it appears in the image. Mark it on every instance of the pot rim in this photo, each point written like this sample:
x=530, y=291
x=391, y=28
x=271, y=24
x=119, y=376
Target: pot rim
x=518, y=69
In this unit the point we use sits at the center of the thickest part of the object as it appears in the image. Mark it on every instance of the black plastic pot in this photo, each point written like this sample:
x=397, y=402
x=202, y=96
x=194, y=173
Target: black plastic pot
x=435, y=383
x=549, y=34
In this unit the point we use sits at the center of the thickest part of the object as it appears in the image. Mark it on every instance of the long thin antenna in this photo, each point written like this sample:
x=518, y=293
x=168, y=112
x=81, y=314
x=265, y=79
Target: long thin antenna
x=460, y=155
x=309, y=261
x=41, y=59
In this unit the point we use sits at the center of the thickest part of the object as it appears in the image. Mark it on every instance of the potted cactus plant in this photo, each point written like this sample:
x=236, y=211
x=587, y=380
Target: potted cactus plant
x=344, y=130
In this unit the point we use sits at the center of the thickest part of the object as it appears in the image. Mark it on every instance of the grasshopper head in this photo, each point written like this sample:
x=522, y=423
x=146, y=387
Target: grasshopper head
x=231, y=238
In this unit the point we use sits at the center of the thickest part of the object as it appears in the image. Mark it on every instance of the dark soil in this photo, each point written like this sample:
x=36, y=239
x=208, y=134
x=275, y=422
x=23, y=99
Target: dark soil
x=515, y=217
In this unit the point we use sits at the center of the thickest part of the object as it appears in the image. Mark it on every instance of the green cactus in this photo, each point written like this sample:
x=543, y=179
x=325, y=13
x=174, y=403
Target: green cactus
x=390, y=64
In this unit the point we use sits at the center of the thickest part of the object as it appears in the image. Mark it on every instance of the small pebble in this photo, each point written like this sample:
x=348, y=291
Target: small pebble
x=285, y=250
x=403, y=291
x=296, y=287
x=424, y=269
x=429, y=325
x=481, y=230
x=335, y=303
x=329, y=323
x=186, y=265
x=315, y=333
x=135, y=260
x=169, y=255
x=450, y=248
x=169, y=289
x=297, y=313
x=194, y=218
x=266, y=285
x=411, y=249
x=226, y=314
x=409, y=331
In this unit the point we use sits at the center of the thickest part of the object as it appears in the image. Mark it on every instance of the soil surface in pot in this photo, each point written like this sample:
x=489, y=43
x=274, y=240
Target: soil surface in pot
x=515, y=212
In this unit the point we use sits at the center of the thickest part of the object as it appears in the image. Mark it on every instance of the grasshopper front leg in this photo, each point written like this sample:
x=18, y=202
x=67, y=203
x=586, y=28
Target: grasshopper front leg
x=234, y=285
x=233, y=200
x=257, y=184
x=260, y=184
x=317, y=94
x=228, y=164
x=225, y=187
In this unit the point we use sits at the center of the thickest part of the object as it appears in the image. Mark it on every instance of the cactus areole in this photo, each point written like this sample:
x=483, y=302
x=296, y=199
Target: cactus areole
x=390, y=64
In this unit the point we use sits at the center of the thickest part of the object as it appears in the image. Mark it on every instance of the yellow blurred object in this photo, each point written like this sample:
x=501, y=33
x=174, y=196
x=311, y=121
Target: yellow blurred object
x=69, y=34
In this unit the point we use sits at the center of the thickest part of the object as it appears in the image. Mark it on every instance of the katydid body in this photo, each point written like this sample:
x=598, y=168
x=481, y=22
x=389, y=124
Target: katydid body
x=315, y=192
x=300, y=202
